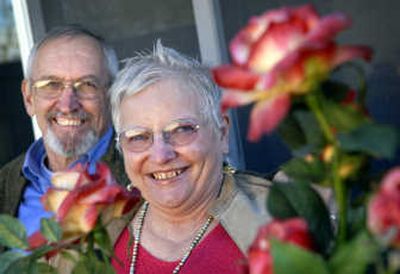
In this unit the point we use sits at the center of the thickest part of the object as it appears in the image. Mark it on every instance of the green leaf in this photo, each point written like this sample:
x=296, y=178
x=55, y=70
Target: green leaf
x=7, y=259
x=279, y=205
x=373, y=139
x=291, y=133
x=21, y=265
x=51, y=230
x=102, y=240
x=29, y=265
x=42, y=268
x=362, y=251
x=40, y=252
x=310, y=128
x=311, y=171
x=70, y=255
x=12, y=233
x=286, y=200
x=289, y=258
x=91, y=264
x=342, y=117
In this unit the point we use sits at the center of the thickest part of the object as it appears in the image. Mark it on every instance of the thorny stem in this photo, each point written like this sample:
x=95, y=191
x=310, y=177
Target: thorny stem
x=337, y=182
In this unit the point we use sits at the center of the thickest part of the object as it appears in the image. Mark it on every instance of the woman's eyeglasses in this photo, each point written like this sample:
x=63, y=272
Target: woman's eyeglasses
x=178, y=133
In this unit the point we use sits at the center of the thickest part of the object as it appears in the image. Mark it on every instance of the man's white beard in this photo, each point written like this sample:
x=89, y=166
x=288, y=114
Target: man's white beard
x=79, y=147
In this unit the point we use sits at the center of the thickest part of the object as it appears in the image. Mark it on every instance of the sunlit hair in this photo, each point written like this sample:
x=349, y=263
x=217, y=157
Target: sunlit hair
x=164, y=63
x=75, y=31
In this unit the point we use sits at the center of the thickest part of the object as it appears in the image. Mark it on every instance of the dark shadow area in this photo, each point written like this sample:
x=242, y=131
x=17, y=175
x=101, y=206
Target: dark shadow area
x=15, y=125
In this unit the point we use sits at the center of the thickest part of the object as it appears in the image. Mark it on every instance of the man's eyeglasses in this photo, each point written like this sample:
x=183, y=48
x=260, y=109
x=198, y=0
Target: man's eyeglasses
x=178, y=133
x=53, y=88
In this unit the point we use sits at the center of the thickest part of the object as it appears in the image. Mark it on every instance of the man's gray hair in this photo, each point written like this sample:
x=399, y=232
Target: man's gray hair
x=74, y=31
x=164, y=63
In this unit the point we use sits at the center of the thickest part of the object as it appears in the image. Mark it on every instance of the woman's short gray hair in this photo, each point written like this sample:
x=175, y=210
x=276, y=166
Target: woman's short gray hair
x=165, y=63
x=74, y=31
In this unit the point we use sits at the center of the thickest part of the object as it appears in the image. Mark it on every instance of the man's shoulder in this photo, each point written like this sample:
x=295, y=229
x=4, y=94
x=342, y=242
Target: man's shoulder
x=12, y=166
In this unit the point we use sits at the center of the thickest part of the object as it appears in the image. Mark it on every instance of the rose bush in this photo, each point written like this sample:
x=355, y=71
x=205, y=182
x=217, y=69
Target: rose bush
x=83, y=205
x=284, y=62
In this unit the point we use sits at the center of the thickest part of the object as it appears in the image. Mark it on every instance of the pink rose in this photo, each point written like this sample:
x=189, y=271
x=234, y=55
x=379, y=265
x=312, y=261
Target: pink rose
x=293, y=230
x=384, y=208
x=79, y=199
x=280, y=54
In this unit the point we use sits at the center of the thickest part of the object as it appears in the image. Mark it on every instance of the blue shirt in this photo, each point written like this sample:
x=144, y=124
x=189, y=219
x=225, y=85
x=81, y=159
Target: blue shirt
x=31, y=210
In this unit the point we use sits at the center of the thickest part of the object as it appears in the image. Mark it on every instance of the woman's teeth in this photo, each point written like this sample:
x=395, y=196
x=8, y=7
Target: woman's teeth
x=166, y=175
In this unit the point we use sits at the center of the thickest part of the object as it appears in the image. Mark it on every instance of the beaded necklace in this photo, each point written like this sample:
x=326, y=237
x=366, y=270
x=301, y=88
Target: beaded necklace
x=138, y=231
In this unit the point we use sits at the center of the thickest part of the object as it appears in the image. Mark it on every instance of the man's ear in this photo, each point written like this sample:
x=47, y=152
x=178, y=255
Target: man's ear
x=28, y=97
x=225, y=133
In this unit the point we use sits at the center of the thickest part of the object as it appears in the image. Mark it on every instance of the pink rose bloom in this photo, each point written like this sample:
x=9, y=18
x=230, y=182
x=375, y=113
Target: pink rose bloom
x=279, y=54
x=384, y=208
x=79, y=199
x=293, y=231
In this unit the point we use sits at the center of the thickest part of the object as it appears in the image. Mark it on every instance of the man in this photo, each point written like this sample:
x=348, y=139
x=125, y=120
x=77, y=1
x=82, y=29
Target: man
x=67, y=77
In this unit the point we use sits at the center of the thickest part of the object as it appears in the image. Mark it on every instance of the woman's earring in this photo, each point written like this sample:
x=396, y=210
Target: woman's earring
x=130, y=187
x=228, y=169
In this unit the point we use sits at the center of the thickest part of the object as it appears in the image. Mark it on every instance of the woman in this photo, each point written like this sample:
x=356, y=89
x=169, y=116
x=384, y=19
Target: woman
x=195, y=218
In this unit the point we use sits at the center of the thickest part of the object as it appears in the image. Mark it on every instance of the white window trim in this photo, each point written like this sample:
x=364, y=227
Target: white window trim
x=211, y=37
x=29, y=25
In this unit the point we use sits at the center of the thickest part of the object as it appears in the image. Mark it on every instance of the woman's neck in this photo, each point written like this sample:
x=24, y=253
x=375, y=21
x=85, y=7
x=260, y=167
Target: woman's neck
x=167, y=235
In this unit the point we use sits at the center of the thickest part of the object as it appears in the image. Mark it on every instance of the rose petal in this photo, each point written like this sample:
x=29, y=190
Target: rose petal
x=266, y=115
x=390, y=184
x=260, y=262
x=235, y=77
x=65, y=180
x=36, y=240
x=79, y=219
x=275, y=44
x=347, y=53
x=328, y=27
x=232, y=98
x=53, y=199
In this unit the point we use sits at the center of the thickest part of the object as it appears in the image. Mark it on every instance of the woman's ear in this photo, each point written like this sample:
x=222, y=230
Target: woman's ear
x=225, y=133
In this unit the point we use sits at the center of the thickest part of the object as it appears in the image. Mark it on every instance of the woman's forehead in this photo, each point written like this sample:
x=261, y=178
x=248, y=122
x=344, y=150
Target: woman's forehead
x=161, y=102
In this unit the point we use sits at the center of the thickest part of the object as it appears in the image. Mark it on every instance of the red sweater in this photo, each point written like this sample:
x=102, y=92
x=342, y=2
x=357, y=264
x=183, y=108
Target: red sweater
x=217, y=253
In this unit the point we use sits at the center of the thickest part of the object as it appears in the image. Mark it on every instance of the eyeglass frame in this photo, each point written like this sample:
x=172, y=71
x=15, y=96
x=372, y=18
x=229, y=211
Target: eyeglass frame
x=166, y=135
x=74, y=84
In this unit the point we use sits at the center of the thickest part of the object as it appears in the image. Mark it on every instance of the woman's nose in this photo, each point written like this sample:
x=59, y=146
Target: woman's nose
x=162, y=151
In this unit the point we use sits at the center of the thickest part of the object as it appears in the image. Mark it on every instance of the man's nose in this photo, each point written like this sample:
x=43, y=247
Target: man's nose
x=68, y=100
x=162, y=151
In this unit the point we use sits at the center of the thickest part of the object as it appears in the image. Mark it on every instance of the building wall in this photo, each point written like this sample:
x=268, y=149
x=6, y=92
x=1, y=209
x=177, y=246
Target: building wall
x=129, y=25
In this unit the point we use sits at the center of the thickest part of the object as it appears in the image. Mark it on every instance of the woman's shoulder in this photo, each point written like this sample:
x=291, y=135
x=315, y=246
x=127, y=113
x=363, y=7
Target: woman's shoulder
x=253, y=184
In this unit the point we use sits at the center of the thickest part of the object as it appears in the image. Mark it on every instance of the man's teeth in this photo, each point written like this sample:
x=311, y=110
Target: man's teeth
x=68, y=122
x=166, y=175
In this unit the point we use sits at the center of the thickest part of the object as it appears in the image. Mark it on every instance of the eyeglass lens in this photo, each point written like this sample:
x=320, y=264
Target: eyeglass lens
x=52, y=88
x=177, y=134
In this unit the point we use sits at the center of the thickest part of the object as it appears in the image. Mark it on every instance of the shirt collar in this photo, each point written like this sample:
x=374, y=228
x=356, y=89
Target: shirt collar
x=96, y=152
x=35, y=170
